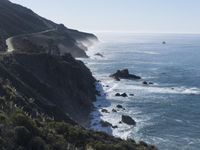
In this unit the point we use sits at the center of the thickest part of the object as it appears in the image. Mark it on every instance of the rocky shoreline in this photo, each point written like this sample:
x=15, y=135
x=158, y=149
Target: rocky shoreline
x=46, y=95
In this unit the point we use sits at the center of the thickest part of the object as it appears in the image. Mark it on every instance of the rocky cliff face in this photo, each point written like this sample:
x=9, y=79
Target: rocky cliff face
x=42, y=100
x=58, y=85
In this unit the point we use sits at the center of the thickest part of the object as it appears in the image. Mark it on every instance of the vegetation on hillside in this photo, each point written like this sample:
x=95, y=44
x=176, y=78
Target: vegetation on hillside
x=20, y=131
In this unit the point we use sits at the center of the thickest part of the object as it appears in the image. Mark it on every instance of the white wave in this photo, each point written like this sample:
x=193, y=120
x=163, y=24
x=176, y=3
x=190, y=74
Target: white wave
x=164, y=90
x=147, y=52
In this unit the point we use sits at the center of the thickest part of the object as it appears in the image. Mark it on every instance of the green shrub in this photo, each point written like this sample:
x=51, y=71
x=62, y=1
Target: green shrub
x=37, y=143
x=3, y=118
x=20, y=148
x=2, y=141
x=22, y=135
x=20, y=119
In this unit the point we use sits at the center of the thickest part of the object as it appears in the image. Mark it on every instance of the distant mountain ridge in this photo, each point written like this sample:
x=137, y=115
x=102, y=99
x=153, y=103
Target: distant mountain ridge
x=18, y=20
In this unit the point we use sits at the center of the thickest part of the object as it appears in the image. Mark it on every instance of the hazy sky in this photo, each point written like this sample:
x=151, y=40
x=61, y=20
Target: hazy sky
x=174, y=16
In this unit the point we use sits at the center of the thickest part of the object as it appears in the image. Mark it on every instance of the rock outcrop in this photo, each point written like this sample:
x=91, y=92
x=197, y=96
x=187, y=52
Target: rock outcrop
x=128, y=120
x=124, y=74
x=122, y=95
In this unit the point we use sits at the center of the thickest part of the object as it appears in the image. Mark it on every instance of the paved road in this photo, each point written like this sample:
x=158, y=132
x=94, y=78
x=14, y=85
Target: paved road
x=10, y=47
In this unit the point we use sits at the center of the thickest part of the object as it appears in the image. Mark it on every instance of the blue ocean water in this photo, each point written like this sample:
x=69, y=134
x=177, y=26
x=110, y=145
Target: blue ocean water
x=168, y=112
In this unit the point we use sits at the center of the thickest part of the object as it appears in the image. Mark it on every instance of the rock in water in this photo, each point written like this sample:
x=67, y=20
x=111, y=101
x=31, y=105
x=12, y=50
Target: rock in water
x=145, y=82
x=124, y=74
x=119, y=106
x=128, y=120
x=99, y=54
x=105, y=124
x=114, y=127
x=104, y=111
x=124, y=95
x=117, y=94
x=114, y=110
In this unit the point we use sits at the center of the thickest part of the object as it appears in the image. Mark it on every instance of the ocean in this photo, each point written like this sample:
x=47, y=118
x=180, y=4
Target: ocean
x=167, y=113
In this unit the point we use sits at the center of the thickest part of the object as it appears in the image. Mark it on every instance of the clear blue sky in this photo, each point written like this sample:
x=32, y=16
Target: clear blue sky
x=165, y=16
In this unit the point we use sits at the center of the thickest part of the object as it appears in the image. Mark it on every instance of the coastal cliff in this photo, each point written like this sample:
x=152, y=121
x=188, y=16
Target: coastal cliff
x=46, y=95
x=45, y=100
x=52, y=82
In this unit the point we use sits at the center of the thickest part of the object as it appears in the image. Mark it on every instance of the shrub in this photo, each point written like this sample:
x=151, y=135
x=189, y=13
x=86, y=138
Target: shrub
x=20, y=119
x=3, y=117
x=22, y=135
x=37, y=143
x=2, y=141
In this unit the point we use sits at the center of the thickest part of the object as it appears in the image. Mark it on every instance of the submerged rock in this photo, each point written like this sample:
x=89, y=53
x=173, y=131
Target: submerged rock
x=128, y=120
x=124, y=74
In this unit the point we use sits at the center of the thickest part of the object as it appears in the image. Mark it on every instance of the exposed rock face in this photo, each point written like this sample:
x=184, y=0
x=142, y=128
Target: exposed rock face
x=128, y=120
x=53, y=82
x=124, y=74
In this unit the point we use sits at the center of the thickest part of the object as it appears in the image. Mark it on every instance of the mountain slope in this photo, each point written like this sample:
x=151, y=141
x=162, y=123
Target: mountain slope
x=53, y=82
x=18, y=21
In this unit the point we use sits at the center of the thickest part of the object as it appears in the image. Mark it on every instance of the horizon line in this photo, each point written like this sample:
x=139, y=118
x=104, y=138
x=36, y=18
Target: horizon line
x=137, y=32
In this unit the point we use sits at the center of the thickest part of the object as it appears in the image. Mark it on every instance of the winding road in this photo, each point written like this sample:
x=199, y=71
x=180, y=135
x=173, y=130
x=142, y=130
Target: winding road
x=10, y=47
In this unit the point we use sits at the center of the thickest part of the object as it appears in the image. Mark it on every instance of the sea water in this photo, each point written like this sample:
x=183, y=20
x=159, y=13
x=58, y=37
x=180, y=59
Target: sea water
x=168, y=112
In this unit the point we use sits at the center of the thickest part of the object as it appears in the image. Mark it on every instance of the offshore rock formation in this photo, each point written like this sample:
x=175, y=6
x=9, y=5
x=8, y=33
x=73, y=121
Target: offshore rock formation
x=124, y=74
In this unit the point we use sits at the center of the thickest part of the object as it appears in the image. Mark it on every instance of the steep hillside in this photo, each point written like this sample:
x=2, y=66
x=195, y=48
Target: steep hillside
x=52, y=82
x=17, y=20
x=40, y=94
